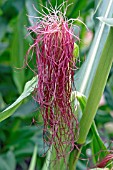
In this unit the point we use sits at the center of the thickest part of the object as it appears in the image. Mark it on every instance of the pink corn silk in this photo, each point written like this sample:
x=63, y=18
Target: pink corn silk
x=105, y=160
x=54, y=46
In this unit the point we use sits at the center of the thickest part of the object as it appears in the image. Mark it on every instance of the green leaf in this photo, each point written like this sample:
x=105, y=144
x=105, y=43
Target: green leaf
x=73, y=10
x=18, y=50
x=97, y=142
x=3, y=164
x=82, y=100
x=3, y=27
x=29, y=88
x=33, y=160
x=97, y=88
x=107, y=21
x=48, y=160
x=11, y=162
x=76, y=51
x=27, y=110
x=11, y=109
x=23, y=139
x=84, y=77
x=7, y=161
x=109, y=92
x=32, y=13
x=3, y=46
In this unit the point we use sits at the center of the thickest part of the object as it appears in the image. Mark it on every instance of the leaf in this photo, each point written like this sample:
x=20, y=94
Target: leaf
x=109, y=92
x=99, y=150
x=82, y=100
x=97, y=88
x=33, y=160
x=3, y=27
x=48, y=159
x=25, y=149
x=3, y=46
x=103, y=116
x=27, y=109
x=32, y=13
x=73, y=10
x=2, y=103
x=7, y=161
x=18, y=50
x=107, y=21
x=76, y=51
x=84, y=77
x=23, y=139
x=11, y=162
x=3, y=164
x=22, y=135
x=11, y=109
x=97, y=142
x=29, y=88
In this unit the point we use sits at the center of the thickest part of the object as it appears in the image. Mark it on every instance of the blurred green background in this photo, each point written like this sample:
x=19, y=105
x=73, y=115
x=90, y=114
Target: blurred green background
x=20, y=133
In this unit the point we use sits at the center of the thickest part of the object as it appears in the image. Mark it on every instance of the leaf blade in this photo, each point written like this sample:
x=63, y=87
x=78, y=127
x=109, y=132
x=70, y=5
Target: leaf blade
x=29, y=88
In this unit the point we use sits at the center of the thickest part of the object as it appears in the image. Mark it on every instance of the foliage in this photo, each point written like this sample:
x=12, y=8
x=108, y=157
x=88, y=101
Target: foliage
x=21, y=133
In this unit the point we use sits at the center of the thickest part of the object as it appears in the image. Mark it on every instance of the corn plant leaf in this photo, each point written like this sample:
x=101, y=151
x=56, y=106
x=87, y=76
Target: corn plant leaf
x=97, y=142
x=97, y=86
x=3, y=27
x=6, y=163
x=86, y=73
x=18, y=51
x=83, y=84
x=96, y=91
x=30, y=9
x=29, y=88
x=108, y=21
x=85, y=76
x=33, y=160
x=47, y=161
x=91, y=72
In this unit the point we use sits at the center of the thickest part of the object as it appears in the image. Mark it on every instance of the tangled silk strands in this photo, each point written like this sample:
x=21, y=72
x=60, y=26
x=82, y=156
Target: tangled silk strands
x=105, y=160
x=54, y=45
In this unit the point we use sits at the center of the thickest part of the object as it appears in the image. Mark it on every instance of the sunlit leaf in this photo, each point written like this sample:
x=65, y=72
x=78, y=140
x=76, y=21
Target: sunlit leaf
x=108, y=21
x=29, y=88
x=85, y=76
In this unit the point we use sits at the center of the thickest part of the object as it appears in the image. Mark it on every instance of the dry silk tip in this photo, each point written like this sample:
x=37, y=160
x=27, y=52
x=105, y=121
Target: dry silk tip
x=56, y=53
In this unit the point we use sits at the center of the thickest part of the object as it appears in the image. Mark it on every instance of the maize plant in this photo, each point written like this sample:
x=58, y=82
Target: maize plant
x=65, y=92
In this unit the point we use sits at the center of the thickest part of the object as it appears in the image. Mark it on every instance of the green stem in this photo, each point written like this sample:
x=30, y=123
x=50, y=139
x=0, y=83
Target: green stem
x=89, y=107
x=97, y=88
x=74, y=156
